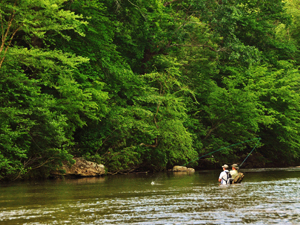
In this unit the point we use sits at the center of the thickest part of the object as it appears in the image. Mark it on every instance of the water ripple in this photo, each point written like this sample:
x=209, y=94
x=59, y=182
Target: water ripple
x=256, y=202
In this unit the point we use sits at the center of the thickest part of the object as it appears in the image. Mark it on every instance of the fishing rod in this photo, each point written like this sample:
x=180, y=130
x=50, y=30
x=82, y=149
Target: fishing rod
x=239, y=143
x=250, y=152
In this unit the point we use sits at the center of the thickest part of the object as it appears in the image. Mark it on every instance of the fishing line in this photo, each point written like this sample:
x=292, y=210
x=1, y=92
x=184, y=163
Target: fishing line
x=239, y=143
x=250, y=153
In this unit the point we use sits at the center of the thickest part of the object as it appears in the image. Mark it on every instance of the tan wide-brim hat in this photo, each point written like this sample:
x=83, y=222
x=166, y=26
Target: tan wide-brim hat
x=225, y=166
x=235, y=166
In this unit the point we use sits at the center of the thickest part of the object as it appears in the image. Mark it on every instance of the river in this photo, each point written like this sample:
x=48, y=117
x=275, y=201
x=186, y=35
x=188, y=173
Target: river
x=266, y=196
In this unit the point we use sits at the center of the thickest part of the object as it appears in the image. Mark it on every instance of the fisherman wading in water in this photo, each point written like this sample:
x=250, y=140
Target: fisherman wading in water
x=234, y=172
x=225, y=176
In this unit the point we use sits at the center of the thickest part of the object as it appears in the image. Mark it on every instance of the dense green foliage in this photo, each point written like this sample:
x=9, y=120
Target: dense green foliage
x=145, y=85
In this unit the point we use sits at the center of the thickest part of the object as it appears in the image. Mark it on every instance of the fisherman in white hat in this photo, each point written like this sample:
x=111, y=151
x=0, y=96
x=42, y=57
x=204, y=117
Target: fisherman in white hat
x=225, y=176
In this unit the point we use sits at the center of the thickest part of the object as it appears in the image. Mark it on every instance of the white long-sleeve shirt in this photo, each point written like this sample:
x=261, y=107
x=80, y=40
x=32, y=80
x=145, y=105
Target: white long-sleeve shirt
x=224, y=177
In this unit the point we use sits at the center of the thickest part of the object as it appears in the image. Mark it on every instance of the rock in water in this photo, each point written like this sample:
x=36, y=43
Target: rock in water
x=180, y=169
x=82, y=168
x=191, y=170
x=183, y=169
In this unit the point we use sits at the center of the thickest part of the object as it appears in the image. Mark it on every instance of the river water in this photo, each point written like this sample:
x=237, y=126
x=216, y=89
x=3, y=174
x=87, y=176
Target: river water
x=266, y=196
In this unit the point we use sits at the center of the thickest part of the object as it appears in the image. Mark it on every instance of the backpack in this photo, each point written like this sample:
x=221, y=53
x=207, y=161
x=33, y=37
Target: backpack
x=229, y=179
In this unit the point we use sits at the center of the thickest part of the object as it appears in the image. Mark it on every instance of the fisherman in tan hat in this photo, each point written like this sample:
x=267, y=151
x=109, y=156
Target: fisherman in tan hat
x=225, y=176
x=234, y=172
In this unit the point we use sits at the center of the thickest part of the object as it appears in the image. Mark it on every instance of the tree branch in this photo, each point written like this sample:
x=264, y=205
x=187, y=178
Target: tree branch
x=10, y=40
x=212, y=129
x=2, y=29
x=152, y=146
x=211, y=48
x=6, y=34
x=168, y=3
x=11, y=18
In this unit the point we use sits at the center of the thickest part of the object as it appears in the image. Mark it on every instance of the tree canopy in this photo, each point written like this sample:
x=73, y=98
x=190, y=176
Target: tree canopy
x=145, y=85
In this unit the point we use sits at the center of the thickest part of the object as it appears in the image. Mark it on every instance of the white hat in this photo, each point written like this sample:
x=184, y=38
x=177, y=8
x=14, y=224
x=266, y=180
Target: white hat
x=225, y=166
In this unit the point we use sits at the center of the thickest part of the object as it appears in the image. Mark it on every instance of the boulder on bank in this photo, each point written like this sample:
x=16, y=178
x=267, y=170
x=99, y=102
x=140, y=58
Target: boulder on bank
x=183, y=169
x=82, y=168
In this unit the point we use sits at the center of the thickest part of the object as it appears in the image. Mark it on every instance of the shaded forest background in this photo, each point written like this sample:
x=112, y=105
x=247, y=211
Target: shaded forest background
x=145, y=85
